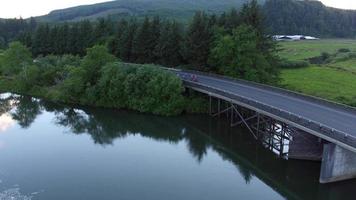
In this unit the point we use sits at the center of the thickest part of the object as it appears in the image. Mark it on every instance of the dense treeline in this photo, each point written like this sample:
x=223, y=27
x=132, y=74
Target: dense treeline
x=309, y=18
x=233, y=43
x=281, y=17
x=10, y=29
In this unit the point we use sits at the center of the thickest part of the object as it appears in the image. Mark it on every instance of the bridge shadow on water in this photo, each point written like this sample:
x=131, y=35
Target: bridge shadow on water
x=291, y=179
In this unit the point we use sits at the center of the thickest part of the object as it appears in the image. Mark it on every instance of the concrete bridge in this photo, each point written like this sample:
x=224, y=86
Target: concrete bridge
x=294, y=125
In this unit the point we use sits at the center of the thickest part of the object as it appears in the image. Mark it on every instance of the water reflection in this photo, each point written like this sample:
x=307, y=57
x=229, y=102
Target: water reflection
x=6, y=122
x=291, y=179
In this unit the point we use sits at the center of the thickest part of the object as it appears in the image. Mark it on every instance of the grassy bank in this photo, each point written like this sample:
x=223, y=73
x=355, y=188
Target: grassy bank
x=334, y=80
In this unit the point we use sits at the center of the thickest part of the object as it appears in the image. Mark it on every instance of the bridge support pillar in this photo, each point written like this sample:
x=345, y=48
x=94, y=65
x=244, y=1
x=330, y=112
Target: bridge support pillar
x=338, y=164
x=304, y=146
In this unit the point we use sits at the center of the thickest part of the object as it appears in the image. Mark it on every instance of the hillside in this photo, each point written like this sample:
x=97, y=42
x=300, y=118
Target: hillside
x=282, y=16
x=309, y=18
x=178, y=9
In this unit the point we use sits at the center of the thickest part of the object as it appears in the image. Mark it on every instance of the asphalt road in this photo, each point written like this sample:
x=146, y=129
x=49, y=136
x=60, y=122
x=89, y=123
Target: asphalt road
x=329, y=116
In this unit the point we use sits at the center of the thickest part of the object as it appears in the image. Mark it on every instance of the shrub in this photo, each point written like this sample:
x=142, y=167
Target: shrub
x=28, y=78
x=144, y=88
x=287, y=64
x=72, y=88
x=344, y=50
x=352, y=55
x=54, y=69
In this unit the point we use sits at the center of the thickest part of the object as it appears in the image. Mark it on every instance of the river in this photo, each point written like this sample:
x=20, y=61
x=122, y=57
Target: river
x=53, y=152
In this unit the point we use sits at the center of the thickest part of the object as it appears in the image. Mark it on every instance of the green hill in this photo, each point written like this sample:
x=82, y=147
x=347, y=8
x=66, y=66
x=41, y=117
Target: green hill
x=309, y=18
x=179, y=9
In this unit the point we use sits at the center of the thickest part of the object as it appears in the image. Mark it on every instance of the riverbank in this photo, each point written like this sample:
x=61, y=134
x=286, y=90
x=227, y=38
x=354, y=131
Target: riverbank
x=190, y=104
x=99, y=80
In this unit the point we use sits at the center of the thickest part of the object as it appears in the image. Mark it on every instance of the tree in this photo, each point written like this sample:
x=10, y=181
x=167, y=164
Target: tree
x=114, y=41
x=238, y=55
x=125, y=43
x=2, y=43
x=103, y=29
x=15, y=59
x=96, y=58
x=86, y=37
x=197, y=42
x=141, y=43
x=154, y=34
x=167, y=50
x=74, y=46
x=41, y=41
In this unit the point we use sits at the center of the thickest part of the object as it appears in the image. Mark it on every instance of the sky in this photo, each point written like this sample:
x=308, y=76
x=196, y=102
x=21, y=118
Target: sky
x=27, y=8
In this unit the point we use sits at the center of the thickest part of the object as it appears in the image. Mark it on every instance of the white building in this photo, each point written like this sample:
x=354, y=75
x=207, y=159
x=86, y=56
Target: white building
x=293, y=37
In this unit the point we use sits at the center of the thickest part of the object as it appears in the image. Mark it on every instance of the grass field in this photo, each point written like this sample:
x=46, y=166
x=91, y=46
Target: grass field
x=334, y=80
x=300, y=50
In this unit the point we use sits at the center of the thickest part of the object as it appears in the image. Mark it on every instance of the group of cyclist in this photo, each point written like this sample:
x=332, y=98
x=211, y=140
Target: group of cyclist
x=191, y=77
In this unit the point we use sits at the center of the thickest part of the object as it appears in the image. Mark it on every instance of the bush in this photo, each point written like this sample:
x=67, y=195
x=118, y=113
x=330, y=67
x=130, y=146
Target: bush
x=28, y=78
x=325, y=56
x=344, y=50
x=144, y=88
x=54, y=69
x=73, y=88
x=352, y=55
x=96, y=80
x=287, y=64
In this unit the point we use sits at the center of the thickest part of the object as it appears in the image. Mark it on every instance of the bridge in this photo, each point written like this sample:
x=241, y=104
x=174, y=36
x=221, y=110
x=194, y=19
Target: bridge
x=293, y=125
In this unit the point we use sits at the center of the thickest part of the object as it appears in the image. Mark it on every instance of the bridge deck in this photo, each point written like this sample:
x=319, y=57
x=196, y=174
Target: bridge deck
x=333, y=117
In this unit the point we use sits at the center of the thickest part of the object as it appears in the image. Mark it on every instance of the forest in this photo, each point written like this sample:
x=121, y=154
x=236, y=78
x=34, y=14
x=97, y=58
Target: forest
x=167, y=42
x=280, y=17
x=88, y=63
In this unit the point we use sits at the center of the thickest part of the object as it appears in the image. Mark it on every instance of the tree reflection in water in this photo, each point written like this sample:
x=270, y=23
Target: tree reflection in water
x=292, y=179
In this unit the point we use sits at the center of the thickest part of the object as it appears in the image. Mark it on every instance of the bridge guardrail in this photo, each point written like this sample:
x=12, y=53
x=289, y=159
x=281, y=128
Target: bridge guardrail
x=334, y=134
x=309, y=98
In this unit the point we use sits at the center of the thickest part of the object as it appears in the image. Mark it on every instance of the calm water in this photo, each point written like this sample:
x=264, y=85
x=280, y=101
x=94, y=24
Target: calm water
x=49, y=151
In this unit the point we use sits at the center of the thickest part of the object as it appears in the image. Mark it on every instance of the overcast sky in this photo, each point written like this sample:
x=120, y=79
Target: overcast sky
x=27, y=8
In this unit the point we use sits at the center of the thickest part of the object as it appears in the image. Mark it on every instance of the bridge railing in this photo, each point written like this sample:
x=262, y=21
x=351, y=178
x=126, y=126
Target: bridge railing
x=341, y=138
x=308, y=98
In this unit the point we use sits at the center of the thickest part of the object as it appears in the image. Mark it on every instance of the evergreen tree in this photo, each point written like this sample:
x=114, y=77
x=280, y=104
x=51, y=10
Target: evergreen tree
x=169, y=44
x=103, y=29
x=125, y=43
x=197, y=42
x=86, y=36
x=41, y=41
x=142, y=45
x=63, y=37
x=53, y=41
x=251, y=15
x=74, y=47
x=25, y=38
x=154, y=35
x=113, y=44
